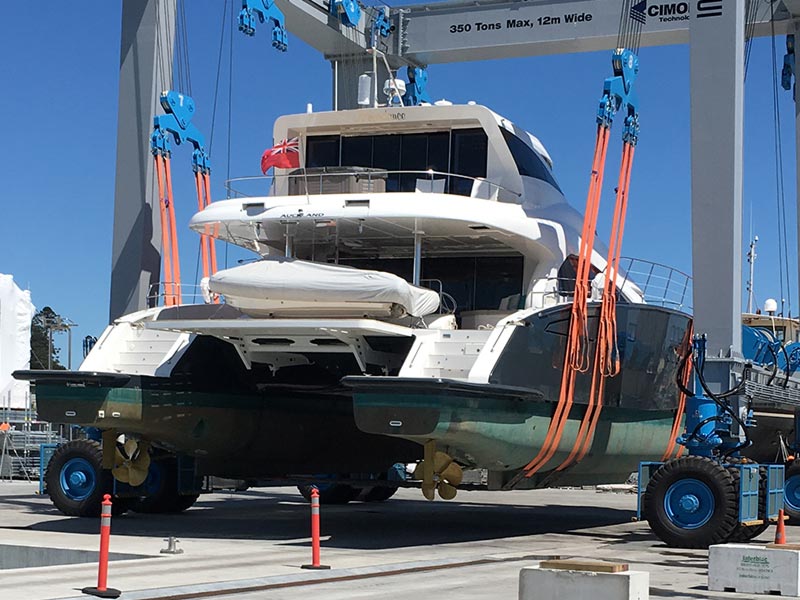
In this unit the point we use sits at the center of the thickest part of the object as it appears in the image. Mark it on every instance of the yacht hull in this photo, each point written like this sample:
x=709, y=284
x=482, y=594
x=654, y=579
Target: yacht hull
x=502, y=425
x=240, y=435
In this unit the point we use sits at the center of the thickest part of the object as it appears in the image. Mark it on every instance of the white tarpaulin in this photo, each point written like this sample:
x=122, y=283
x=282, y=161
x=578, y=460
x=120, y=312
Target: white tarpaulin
x=16, y=312
x=309, y=284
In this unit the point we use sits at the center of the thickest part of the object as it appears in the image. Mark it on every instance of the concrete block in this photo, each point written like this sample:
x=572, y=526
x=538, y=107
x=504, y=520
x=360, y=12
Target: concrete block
x=754, y=569
x=544, y=584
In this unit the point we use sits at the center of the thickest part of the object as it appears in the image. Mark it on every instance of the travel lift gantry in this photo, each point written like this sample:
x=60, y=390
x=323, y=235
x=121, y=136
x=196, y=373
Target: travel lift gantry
x=425, y=34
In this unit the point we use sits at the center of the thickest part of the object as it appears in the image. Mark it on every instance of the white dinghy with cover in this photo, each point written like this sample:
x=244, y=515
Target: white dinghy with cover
x=288, y=287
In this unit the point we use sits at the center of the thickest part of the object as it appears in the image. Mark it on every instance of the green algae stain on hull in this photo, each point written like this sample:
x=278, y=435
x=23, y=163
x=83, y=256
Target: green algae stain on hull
x=505, y=434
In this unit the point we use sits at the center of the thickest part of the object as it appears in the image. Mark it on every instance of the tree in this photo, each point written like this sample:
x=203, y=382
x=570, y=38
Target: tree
x=44, y=324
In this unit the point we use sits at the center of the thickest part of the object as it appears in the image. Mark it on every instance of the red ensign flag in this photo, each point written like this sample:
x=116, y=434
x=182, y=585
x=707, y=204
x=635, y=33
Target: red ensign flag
x=284, y=155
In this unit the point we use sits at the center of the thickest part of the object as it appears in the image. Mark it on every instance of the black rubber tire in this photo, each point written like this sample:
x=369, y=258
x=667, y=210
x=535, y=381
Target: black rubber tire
x=745, y=533
x=377, y=493
x=92, y=453
x=724, y=517
x=338, y=493
x=165, y=499
x=792, y=470
x=182, y=503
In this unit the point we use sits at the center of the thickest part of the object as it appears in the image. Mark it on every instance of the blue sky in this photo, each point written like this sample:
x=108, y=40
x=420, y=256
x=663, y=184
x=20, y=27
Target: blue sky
x=59, y=81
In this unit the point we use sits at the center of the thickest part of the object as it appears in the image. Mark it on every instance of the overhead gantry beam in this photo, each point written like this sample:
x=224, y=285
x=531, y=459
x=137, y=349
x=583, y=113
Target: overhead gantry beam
x=487, y=29
x=456, y=31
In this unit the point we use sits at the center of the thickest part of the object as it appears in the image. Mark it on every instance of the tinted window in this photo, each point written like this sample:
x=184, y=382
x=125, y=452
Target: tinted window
x=322, y=151
x=413, y=157
x=357, y=151
x=439, y=152
x=467, y=157
x=386, y=155
x=528, y=162
x=463, y=152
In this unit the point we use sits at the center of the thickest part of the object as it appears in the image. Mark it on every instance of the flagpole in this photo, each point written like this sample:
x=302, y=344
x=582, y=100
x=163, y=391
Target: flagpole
x=301, y=151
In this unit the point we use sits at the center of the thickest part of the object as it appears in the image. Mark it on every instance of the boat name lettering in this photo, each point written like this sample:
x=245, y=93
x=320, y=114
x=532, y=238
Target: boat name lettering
x=398, y=116
x=565, y=18
x=302, y=215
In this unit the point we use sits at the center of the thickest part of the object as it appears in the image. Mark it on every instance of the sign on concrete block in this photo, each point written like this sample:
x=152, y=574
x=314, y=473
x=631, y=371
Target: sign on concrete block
x=754, y=569
x=537, y=583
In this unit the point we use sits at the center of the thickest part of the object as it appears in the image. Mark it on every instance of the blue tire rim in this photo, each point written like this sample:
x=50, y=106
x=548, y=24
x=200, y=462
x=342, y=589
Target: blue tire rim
x=689, y=503
x=791, y=492
x=78, y=479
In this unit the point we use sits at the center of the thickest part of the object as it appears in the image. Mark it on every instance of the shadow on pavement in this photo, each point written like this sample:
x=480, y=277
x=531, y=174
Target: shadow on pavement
x=258, y=514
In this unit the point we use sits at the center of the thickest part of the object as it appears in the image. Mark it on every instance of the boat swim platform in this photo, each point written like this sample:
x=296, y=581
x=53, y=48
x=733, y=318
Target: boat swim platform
x=251, y=545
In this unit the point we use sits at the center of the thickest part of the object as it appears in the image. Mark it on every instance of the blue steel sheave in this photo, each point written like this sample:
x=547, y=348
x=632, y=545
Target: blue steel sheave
x=347, y=11
x=381, y=27
x=619, y=94
x=263, y=10
x=417, y=88
x=178, y=122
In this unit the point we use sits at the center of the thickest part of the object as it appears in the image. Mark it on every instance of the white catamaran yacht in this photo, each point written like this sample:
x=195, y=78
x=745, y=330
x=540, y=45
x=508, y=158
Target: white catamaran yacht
x=411, y=289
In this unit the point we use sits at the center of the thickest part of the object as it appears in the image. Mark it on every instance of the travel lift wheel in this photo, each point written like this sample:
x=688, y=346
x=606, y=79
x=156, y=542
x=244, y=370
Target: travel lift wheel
x=791, y=492
x=745, y=533
x=692, y=502
x=76, y=481
x=161, y=487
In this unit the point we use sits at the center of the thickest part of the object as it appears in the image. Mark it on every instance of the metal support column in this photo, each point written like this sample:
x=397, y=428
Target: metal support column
x=717, y=120
x=148, y=31
x=797, y=151
x=417, y=273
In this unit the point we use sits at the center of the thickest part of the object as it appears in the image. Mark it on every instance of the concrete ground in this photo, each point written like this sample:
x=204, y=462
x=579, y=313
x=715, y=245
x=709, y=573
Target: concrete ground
x=251, y=545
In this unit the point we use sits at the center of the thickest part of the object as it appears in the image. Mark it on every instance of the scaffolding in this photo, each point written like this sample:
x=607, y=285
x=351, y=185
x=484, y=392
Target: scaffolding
x=21, y=439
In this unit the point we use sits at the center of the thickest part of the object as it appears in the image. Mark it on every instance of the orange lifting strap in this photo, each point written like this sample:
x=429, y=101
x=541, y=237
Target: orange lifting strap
x=208, y=249
x=211, y=241
x=606, y=357
x=169, y=234
x=576, y=355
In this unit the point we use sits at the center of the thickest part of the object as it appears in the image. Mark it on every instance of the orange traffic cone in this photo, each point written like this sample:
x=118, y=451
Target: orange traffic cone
x=780, y=531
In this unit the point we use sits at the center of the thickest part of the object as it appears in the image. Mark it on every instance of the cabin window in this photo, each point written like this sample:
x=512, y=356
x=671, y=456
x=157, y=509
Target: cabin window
x=467, y=157
x=357, y=152
x=386, y=155
x=413, y=157
x=322, y=151
x=528, y=162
